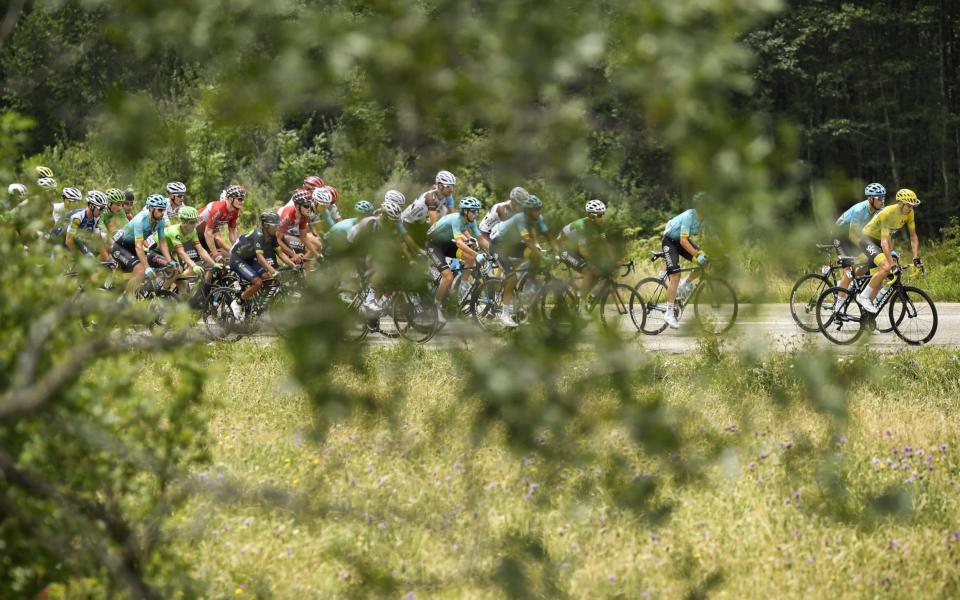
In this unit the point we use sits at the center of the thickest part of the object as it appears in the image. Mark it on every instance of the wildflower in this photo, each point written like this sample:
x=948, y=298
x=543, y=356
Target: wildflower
x=943, y=447
x=202, y=475
x=763, y=455
x=752, y=465
x=611, y=578
x=888, y=433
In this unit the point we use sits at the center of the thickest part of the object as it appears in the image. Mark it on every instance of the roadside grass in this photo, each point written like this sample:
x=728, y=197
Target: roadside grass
x=805, y=495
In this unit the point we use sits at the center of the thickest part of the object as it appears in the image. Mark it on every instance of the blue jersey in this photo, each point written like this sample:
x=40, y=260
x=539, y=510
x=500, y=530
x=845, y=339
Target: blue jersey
x=683, y=225
x=141, y=227
x=859, y=214
x=78, y=221
x=451, y=227
x=513, y=229
x=340, y=230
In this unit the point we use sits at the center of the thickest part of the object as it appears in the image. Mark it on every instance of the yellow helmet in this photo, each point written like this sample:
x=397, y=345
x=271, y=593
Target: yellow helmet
x=907, y=197
x=44, y=172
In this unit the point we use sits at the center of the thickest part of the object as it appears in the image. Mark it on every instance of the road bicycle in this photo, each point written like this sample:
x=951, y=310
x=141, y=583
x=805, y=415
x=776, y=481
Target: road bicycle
x=714, y=301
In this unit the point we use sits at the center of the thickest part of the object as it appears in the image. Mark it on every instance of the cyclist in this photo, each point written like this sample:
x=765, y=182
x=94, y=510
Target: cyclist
x=450, y=237
x=383, y=244
x=183, y=238
x=322, y=203
x=676, y=242
x=581, y=241
x=129, y=248
x=296, y=244
x=515, y=239
x=335, y=240
x=176, y=196
x=83, y=226
x=330, y=213
x=17, y=196
x=48, y=190
x=312, y=182
x=253, y=255
x=501, y=211
x=877, y=243
x=217, y=214
x=430, y=206
x=115, y=217
x=852, y=221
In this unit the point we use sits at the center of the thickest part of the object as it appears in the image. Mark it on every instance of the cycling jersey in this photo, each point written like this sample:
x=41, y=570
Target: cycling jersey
x=58, y=210
x=248, y=246
x=172, y=211
x=108, y=218
x=290, y=216
x=580, y=232
x=340, y=230
x=216, y=214
x=492, y=217
x=451, y=227
x=78, y=221
x=140, y=227
x=176, y=237
x=371, y=224
x=429, y=200
x=888, y=221
x=513, y=229
x=859, y=214
x=683, y=225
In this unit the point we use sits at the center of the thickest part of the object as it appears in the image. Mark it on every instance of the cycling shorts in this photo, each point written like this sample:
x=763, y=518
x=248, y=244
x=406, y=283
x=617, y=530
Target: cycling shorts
x=573, y=260
x=672, y=251
x=441, y=251
x=125, y=253
x=248, y=270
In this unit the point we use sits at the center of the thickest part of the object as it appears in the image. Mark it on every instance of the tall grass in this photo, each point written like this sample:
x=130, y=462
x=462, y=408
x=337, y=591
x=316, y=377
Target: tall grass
x=796, y=498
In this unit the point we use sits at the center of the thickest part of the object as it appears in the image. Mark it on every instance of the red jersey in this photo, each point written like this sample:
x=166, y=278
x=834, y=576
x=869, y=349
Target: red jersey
x=216, y=215
x=289, y=216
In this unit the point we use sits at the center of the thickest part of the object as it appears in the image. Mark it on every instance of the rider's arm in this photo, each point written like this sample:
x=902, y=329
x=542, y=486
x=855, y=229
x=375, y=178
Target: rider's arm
x=164, y=249
x=265, y=263
x=686, y=245
x=282, y=256
x=234, y=235
x=209, y=234
x=204, y=254
x=914, y=243
x=461, y=242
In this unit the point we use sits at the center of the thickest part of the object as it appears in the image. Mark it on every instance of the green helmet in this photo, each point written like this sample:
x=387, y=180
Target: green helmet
x=115, y=196
x=188, y=213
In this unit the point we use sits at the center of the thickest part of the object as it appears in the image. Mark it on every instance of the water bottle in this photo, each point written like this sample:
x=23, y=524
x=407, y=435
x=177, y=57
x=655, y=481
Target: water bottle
x=883, y=294
x=683, y=290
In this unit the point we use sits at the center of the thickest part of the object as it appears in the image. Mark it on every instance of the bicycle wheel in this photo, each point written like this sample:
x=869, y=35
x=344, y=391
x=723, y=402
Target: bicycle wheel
x=615, y=311
x=913, y=315
x=556, y=308
x=218, y=315
x=161, y=303
x=803, y=300
x=355, y=326
x=415, y=316
x=715, y=305
x=487, y=304
x=840, y=319
x=650, y=296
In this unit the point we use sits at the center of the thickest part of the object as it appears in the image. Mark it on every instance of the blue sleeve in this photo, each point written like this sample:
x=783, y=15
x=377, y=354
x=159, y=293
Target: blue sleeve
x=450, y=201
x=329, y=217
x=542, y=225
x=688, y=223
x=138, y=227
x=474, y=229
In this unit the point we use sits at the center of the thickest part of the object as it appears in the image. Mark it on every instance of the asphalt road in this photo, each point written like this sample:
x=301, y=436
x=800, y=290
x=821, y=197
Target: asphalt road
x=768, y=326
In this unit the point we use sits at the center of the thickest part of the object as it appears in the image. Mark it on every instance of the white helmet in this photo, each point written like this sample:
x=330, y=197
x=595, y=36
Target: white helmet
x=322, y=196
x=517, y=194
x=47, y=182
x=176, y=188
x=392, y=210
x=17, y=188
x=595, y=207
x=395, y=197
x=446, y=178
x=72, y=194
x=97, y=199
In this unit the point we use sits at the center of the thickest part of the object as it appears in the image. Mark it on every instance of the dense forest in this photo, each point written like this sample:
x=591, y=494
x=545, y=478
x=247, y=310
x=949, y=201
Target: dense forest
x=856, y=91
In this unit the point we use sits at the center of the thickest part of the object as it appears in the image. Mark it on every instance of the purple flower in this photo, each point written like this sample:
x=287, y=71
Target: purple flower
x=202, y=475
x=763, y=455
x=611, y=578
x=796, y=495
x=410, y=596
x=888, y=433
x=920, y=453
x=943, y=447
x=752, y=465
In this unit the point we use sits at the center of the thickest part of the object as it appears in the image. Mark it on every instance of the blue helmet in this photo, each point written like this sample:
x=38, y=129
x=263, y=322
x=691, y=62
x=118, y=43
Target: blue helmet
x=531, y=201
x=156, y=201
x=364, y=207
x=874, y=189
x=470, y=203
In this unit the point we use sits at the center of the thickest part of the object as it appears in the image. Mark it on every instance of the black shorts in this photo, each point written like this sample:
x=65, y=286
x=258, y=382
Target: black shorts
x=507, y=255
x=440, y=251
x=672, y=251
x=126, y=256
x=573, y=260
x=872, y=249
x=295, y=243
x=249, y=270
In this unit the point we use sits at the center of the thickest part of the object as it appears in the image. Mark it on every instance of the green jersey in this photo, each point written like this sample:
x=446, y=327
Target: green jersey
x=176, y=237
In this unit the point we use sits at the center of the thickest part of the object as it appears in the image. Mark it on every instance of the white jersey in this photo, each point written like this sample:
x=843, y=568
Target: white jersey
x=361, y=226
x=417, y=211
x=172, y=211
x=58, y=209
x=492, y=217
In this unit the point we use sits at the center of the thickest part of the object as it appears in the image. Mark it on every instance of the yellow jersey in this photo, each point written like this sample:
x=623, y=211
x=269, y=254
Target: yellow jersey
x=888, y=221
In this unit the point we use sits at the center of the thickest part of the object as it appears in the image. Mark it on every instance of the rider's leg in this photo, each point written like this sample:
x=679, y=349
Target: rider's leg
x=255, y=286
x=673, y=280
x=446, y=280
x=136, y=278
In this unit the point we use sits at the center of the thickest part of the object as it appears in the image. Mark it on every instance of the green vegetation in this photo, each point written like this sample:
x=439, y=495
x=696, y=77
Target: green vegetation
x=781, y=499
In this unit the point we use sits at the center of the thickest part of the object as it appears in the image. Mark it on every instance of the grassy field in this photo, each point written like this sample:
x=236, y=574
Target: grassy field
x=787, y=489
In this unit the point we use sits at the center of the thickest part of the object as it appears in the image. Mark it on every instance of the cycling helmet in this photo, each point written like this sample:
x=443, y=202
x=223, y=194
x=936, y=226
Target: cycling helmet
x=595, y=207
x=446, y=178
x=188, y=213
x=392, y=210
x=48, y=183
x=156, y=201
x=395, y=197
x=268, y=217
x=71, y=194
x=470, y=203
x=334, y=194
x=517, y=194
x=907, y=197
x=700, y=197
x=364, y=207
x=44, y=172
x=531, y=201
x=874, y=189
x=176, y=188
x=322, y=196
x=17, y=188
x=302, y=197
x=97, y=199
x=115, y=196
x=236, y=191
x=312, y=182
x=128, y=195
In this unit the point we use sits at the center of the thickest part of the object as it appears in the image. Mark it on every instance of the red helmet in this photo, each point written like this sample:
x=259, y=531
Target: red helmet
x=333, y=192
x=236, y=191
x=302, y=197
x=312, y=182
